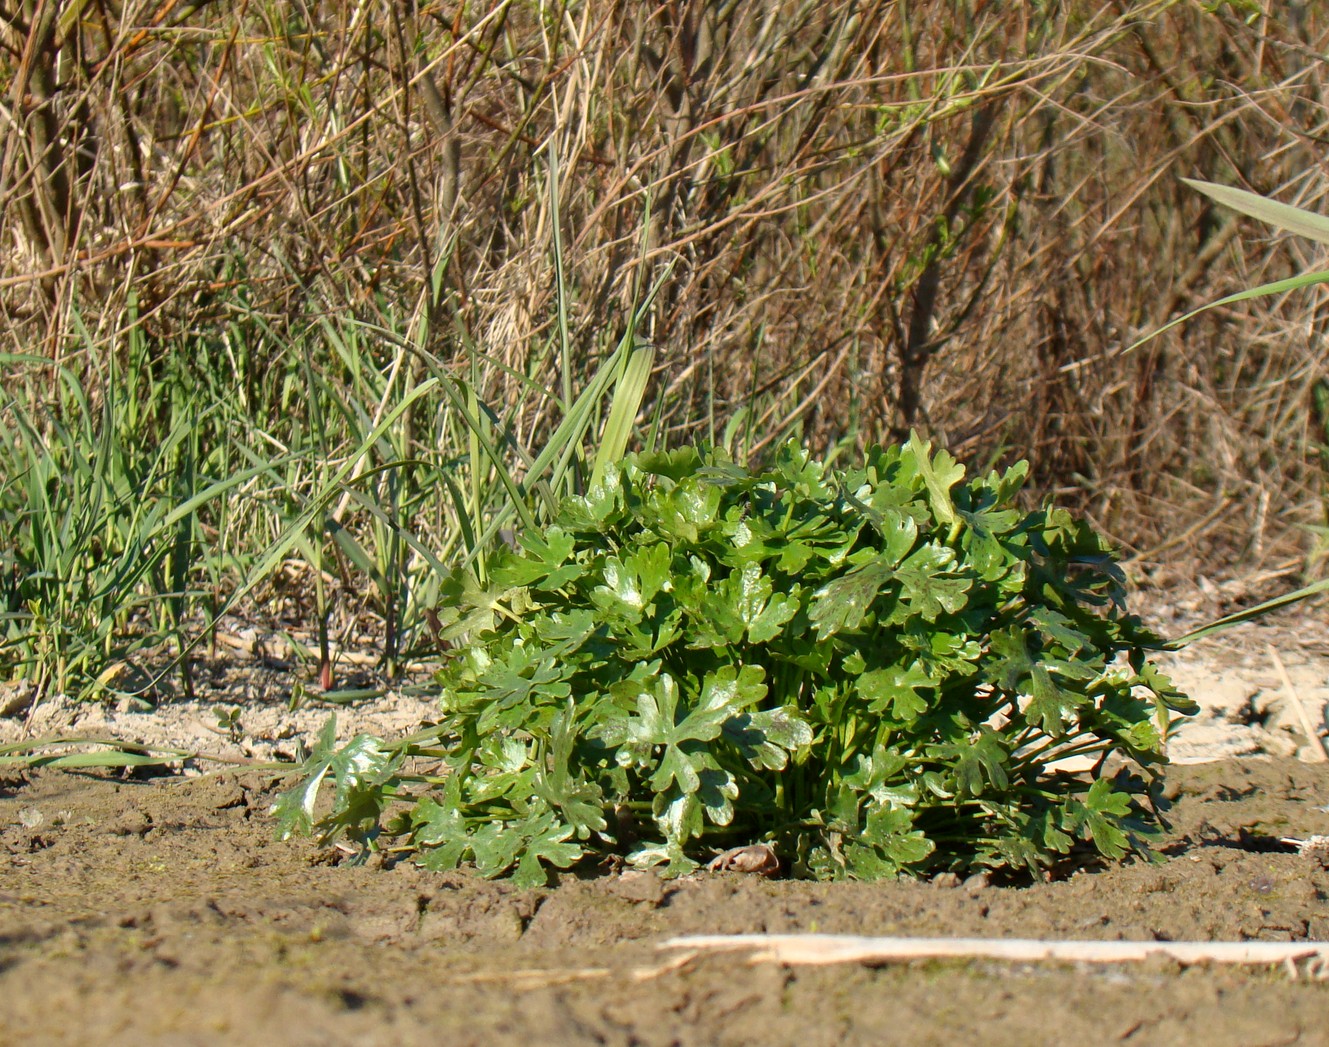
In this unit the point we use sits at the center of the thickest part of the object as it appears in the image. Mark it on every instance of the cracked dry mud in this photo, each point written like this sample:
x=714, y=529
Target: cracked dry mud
x=164, y=912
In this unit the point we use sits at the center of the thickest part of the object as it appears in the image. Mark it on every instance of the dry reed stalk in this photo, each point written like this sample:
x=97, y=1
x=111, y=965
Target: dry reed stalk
x=952, y=216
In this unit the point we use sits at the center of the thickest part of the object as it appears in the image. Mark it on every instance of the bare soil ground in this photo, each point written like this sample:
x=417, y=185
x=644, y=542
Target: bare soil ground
x=163, y=912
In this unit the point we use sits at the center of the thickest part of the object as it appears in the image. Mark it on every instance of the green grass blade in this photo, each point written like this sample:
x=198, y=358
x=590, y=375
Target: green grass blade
x=368, y=506
x=82, y=761
x=1248, y=615
x=210, y=492
x=1281, y=216
x=571, y=431
x=479, y=432
x=560, y=277
x=1292, y=283
x=628, y=395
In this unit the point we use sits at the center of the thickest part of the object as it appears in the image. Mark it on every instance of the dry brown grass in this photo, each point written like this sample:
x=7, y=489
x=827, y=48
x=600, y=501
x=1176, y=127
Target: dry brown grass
x=951, y=215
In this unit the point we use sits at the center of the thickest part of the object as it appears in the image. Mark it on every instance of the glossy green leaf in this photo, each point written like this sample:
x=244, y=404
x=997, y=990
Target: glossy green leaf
x=1099, y=816
x=931, y=587
x=895, y=691
x=842, y=604
x=940, y=474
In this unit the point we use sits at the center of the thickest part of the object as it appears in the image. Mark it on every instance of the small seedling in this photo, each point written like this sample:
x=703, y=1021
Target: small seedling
x=228, y=722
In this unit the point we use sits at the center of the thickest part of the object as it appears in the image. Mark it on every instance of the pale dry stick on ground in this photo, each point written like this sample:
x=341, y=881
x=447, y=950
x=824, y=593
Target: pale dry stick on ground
x=820, y=949
x=1315, y=745
x=528, y=978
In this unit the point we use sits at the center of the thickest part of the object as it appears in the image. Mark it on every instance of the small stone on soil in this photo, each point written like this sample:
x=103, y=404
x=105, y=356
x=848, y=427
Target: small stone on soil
x=639, y=887
x=132, y=822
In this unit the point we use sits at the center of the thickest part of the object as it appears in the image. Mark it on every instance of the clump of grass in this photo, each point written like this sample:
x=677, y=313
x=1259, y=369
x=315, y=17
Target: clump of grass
x=101, y=518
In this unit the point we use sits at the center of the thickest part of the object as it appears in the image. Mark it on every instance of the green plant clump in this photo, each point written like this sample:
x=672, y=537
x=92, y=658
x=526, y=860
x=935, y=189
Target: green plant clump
x=876, y=671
